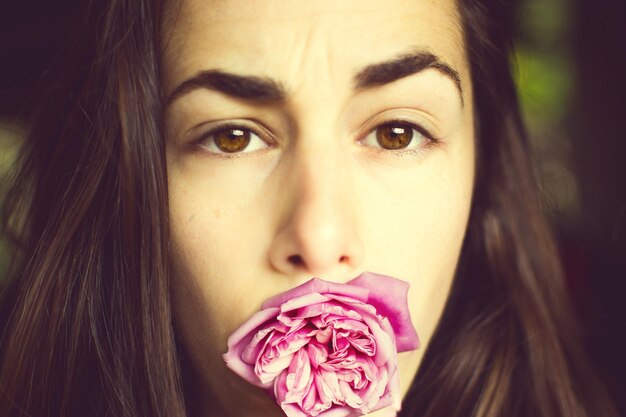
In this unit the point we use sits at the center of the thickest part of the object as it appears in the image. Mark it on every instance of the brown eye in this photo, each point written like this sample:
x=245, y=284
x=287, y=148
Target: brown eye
x=394, y=136
x=231, y=140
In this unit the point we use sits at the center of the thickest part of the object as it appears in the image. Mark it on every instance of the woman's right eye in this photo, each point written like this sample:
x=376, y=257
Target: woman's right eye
x=231, y=140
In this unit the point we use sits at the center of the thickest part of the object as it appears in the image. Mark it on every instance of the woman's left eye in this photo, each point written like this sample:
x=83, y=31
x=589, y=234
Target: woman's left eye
x=232, y=140
x=397, y=136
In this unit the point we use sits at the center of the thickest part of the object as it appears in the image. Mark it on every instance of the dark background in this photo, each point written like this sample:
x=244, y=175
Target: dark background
x=570, y=68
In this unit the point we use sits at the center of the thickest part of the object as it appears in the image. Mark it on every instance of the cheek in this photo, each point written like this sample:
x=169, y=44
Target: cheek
x=211, y=248
x=210, y=254
x=419, y=238
x=195, y=243
x=418, y=226
x=208, y=305
x=435, y=241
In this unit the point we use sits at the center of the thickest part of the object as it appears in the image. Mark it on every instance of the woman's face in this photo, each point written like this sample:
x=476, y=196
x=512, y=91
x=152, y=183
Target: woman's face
x=311, y=139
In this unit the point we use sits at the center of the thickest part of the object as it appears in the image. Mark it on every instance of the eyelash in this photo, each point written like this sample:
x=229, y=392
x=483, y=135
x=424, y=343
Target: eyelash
x=229, y=126
x=428, y=138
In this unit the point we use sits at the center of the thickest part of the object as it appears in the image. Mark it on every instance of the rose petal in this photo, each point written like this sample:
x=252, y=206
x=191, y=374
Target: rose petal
x=350, y=324
x=339, y=412
x=308, y=403
x=349, y=303
x=323, y=336
x=391, y=303
x=382, y=332
x=328, y=349
x=351, y=398
x=259, y=341
x=238, y=341
x=280, y=386
x=299, y=378
x=303, y=301
x=393, y=386
x=324, y=390
x=279, y=354
x=322, y=315
x=318, y=354
x=375, y=390
x=268, y=371
x=316, y=285
x=293, y=410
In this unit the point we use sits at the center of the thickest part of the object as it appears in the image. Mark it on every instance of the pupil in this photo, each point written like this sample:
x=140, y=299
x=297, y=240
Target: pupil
x=232, y=140
x=394, y=136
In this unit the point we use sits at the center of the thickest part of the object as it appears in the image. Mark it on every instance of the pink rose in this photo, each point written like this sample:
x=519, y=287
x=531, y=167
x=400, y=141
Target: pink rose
x=326, y=349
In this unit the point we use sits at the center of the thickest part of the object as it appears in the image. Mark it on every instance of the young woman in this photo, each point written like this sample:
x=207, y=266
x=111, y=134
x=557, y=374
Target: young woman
x=202, y=156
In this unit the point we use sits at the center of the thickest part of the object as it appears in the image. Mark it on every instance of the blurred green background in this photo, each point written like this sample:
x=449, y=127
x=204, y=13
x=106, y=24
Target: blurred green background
x=10, y=136
x=570, y=65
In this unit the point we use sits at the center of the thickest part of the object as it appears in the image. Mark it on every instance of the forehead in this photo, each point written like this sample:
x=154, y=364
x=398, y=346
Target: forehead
x=286, y=40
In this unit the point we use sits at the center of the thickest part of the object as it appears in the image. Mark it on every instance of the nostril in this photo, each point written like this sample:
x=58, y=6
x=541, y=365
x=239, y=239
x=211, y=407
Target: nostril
x=343, y=259
x=296, y=260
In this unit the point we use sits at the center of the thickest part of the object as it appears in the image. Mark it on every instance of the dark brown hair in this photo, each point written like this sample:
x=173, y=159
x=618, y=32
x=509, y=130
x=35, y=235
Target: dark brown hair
x=508, y=343
x=86, y=314
x=88, y=328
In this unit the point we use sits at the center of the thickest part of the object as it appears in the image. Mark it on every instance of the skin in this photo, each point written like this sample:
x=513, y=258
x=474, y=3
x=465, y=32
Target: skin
x=314, y=194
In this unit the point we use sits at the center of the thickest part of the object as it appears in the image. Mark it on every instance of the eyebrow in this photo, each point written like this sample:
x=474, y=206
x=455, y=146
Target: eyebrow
x=240, y=86
x=265, y=89
x=386, y=72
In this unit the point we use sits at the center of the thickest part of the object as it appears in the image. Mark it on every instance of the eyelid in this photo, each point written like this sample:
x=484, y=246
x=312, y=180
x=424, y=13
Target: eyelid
x=414, y=125
x=419, y=121
x=413, y=148
x=254, y=127
x=423, y=123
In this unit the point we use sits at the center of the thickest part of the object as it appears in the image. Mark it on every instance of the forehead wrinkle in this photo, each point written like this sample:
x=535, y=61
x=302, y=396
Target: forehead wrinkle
x=307, y=52
x=312, y=72
x=299, y=58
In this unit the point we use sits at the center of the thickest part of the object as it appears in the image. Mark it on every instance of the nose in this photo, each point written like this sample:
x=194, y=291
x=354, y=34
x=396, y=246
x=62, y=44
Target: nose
x=318, y=233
